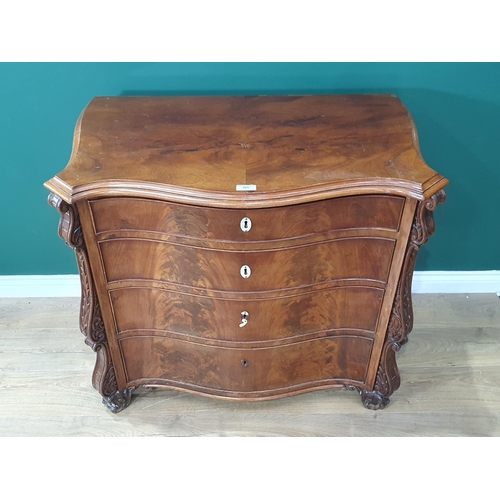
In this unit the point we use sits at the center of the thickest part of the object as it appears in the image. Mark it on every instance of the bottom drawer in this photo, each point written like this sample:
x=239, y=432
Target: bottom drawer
x=251, y=373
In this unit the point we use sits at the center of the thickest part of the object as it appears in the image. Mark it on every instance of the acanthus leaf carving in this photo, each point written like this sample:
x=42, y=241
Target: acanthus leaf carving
x=119, y=400
x=91, y=322
x=69, y=229
x=401, y=320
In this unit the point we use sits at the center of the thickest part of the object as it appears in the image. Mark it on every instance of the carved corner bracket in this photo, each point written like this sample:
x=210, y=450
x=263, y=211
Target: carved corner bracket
x=401, y=320
x=91, y=322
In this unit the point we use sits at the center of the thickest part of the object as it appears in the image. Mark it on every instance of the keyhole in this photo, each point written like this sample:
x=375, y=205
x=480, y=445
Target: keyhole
x=245, y=271
x=245, y=224
x=244, y=319
x=244, y=363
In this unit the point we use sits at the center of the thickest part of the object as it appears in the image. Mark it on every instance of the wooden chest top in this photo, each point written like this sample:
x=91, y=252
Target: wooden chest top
x=294, y=149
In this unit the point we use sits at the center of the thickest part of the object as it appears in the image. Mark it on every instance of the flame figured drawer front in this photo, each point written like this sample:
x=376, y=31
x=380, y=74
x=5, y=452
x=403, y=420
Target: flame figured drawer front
x=246, y=372
x=119, y=215
x=349, y=258
x=341, y=309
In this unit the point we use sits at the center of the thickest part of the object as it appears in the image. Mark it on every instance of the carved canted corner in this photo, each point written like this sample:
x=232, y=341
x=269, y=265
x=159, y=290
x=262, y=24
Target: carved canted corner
x=91, y=322
x=69, y=225
x=401, y=320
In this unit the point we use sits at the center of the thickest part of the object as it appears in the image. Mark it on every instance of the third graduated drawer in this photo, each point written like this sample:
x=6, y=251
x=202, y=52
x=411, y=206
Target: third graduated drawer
x=301, y=315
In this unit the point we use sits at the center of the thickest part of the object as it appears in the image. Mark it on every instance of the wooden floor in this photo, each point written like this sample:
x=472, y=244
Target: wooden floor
x=450, y=373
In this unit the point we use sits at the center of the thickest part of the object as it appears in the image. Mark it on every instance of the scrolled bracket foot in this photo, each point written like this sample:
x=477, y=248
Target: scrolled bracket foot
x=374, y=400
x=119, y=400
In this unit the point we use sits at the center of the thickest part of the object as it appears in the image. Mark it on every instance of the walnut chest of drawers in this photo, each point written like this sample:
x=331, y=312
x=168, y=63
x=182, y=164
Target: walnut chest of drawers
x=246, y=247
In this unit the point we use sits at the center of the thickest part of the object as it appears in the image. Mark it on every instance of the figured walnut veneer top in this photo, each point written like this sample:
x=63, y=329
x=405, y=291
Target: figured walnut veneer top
x=293, y=148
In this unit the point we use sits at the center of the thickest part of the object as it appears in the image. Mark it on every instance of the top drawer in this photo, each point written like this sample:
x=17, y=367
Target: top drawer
x=240, y=225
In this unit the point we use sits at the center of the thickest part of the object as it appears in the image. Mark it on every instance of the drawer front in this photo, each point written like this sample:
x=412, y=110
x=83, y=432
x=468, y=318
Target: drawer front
x=349, y=258
x=345, y=308
x=353, y=212
x=240, y=372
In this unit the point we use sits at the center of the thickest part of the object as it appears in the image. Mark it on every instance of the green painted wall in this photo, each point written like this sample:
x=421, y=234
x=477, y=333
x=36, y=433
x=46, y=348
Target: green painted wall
x=456, y=108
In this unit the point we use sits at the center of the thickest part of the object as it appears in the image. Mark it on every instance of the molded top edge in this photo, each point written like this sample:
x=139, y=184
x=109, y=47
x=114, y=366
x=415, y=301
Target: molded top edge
x=292, y=148
x=241, y=200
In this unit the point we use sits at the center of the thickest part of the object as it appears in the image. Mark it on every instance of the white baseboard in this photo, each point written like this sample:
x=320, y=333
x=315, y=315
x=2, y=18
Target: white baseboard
x=456, y=282
x=68, y=285
x=61, y=285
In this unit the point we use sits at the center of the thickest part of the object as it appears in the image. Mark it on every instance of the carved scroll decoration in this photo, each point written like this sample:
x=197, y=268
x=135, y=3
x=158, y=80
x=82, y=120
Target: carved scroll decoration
x=401, y=320
x=91, y=322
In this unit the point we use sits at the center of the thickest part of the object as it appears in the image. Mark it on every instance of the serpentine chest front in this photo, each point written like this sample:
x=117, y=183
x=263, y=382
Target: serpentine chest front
x=246, y=247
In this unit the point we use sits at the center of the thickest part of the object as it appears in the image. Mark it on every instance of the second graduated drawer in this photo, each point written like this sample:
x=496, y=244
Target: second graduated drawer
x=207, y=226
x=358, y=258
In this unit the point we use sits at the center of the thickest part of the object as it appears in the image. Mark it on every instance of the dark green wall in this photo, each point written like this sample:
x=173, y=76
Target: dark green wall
x=456, y=108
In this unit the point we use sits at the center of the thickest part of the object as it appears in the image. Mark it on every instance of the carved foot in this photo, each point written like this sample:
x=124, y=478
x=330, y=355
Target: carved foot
x=119, y=400
x=374, y=400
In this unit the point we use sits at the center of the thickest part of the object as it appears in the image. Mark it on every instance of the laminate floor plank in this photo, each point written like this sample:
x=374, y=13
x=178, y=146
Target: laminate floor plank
x=474, y=310
x=43, y=340
x=450, y=372
x=276, y=424
x=42, y=362
x=463, y=346
x=23, y=314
